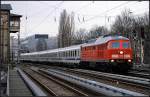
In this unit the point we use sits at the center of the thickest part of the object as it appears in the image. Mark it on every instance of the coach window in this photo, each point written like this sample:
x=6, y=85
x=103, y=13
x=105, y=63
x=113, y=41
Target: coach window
x=54, y=54
x=63, y=53
x=74, y=53
x=59, y=54
x=66, y=53
x=70, y=53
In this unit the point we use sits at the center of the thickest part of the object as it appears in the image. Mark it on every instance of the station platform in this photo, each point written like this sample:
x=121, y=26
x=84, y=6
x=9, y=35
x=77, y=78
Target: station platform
x=16, y=85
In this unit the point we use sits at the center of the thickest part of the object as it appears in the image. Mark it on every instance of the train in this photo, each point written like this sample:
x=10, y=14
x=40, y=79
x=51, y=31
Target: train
x=108, y=53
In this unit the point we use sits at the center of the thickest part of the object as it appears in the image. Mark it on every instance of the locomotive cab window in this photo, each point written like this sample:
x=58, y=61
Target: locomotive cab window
x=125, y=44
x=115, y=45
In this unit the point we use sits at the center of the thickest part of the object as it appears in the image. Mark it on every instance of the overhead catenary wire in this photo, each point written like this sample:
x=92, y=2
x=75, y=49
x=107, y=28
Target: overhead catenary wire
x=107, y=11
x=57, y=6
x=79, y=9
x=95, y=16
x=99, y=15
x=103, y=13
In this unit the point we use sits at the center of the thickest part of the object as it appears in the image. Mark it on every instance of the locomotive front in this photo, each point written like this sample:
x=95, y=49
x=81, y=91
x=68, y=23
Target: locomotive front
x=120, y=54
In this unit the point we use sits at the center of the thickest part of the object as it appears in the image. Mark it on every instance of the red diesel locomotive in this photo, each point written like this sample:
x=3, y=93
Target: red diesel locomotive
x=111, y=53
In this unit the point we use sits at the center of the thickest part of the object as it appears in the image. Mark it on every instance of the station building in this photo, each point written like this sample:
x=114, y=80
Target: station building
x=10, y=23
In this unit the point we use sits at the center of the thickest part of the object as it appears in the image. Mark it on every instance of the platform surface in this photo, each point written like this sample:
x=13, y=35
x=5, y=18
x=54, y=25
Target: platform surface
x=17, y=87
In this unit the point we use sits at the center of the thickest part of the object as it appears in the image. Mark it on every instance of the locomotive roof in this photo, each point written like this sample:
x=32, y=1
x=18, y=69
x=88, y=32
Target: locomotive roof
x=54, y=50
x=104, y=39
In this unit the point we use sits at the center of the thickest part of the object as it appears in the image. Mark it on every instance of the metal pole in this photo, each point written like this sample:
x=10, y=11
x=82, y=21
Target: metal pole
x=18, y=47
x=141, y=51
x=12, y=49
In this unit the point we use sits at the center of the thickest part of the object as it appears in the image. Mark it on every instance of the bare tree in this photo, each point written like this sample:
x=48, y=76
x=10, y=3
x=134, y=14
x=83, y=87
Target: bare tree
x=123, y=23
x=66, y=29
x=79, y=36
x=97, y=31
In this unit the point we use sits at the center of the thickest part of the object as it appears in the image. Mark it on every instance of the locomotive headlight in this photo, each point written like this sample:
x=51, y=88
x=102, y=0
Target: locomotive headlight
x=129, y=60
x=112, y=60
x=114, y=56
x=126, y=56
x=121, y=52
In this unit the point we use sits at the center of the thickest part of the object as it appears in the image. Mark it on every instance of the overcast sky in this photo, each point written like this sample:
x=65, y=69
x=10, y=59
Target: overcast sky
x=42, y=17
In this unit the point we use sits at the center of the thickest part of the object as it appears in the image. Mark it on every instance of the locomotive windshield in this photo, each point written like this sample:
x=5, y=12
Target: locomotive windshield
x=125, y=44
x=115, y=44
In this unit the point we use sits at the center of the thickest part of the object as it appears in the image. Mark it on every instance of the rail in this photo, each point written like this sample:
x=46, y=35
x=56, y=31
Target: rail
x=34, y=88
x=60, y=82
x=93, y=85
x=136, y=80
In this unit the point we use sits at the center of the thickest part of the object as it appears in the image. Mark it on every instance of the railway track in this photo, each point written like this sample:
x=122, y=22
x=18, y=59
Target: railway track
x=52, y=85
x=126, y=82
x=133, y=72
x=139, y=74
x=92, y=85
x=131, y=83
